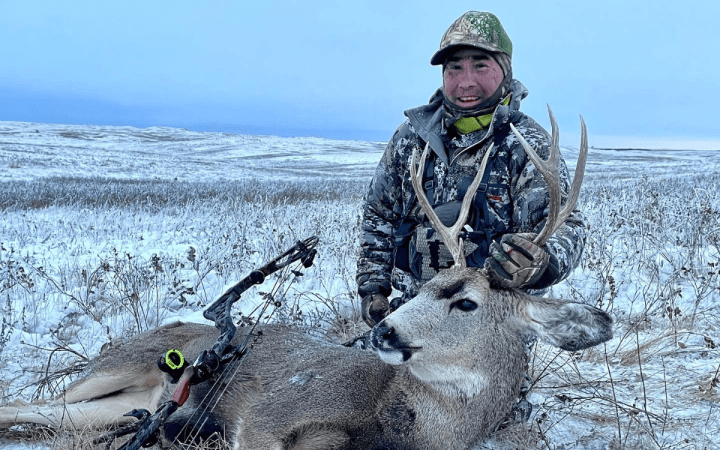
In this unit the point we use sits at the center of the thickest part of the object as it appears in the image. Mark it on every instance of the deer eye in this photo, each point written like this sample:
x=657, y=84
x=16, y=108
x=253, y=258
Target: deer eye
x=464, y=305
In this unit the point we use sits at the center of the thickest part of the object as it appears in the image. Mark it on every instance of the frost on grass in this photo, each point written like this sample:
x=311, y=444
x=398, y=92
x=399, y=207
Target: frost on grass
x=88, y=260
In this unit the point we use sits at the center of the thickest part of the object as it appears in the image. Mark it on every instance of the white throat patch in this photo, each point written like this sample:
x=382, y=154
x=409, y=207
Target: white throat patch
x=394, y=357
x=450, y=380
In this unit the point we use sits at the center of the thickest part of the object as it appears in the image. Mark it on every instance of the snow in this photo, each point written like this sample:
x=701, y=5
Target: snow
x=43, y=150
x=209, y=207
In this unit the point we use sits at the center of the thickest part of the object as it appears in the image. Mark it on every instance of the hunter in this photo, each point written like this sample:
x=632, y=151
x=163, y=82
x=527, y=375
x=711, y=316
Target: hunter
x=467, y=117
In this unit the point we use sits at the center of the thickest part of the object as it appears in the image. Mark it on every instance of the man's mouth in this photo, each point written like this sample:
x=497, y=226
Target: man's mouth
x=469, y=99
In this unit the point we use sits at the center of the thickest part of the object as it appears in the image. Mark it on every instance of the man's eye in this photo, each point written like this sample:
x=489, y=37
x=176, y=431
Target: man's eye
x=464, y=305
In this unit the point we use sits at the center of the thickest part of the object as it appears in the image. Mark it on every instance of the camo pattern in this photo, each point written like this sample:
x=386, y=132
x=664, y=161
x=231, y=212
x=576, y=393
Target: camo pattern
x=520, y=206
x=478, y=28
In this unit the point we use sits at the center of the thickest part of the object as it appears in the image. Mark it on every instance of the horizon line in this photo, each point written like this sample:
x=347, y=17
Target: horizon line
x=601, y=142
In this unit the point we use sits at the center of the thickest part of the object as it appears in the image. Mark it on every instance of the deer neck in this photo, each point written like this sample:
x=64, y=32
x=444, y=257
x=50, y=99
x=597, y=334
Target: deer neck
x=441, y=415
x=452, y=383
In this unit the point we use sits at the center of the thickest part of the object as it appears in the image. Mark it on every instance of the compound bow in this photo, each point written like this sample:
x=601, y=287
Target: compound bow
x=210, y=361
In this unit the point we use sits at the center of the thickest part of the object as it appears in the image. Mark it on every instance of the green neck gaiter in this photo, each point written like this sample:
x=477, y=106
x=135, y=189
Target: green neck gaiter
x=467, y=125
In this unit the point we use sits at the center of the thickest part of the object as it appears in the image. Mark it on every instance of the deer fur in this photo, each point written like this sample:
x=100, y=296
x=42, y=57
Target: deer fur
x=444, y=370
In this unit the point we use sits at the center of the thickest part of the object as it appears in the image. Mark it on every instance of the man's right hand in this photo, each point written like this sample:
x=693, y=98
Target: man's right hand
x=374, y=308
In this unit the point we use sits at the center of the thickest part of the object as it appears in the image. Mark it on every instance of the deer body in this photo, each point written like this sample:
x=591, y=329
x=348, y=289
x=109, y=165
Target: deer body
x=442, y=375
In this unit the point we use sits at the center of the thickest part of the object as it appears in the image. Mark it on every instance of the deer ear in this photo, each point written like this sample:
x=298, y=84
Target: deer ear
x=568, y=325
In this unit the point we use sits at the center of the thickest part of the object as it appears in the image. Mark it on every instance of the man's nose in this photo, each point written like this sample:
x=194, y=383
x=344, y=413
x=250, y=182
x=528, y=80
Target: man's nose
x=467, y=78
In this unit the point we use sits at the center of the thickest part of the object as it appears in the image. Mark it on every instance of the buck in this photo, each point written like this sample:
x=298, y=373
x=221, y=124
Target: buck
x=444, y=370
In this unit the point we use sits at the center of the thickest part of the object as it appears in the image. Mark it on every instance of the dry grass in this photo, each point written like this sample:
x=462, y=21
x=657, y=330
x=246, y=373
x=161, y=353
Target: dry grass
x=155, y=195
x=51, y=439
x=652, y=261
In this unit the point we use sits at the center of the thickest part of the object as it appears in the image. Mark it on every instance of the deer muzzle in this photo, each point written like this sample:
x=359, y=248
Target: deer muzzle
x=389, y=346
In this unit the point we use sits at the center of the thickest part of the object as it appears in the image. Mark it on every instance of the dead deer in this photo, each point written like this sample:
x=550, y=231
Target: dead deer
x=445, y=368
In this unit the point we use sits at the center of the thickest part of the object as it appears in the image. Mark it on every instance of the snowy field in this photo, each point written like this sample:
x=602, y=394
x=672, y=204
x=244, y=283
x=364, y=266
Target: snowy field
x=109, y=231
x=127, y=153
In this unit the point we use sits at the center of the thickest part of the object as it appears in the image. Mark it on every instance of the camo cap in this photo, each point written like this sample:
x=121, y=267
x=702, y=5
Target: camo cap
x=476, y=29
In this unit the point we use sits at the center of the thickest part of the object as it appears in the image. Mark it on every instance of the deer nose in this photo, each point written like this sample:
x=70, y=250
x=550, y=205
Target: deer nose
x=382, y=335
x=384, y=332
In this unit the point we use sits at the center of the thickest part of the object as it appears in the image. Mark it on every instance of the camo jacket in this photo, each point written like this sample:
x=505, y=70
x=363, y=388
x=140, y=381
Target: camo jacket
x=516, y=196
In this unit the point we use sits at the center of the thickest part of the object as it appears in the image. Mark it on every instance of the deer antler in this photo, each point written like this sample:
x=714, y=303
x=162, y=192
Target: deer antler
x=449, y=235
x=550, y=172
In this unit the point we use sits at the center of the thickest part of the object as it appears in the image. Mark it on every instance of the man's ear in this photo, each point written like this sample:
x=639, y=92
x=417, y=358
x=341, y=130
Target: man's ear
x=568, y=325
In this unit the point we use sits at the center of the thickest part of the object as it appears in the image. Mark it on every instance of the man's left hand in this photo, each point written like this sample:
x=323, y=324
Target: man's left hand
x=515, y=261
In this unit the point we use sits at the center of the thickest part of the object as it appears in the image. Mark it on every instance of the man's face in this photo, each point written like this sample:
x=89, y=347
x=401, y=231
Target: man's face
x=470, y=76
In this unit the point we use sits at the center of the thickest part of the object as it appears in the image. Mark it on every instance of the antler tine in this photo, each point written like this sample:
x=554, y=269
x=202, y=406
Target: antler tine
x=550, y=172
x=449, y=235
x=578, y=177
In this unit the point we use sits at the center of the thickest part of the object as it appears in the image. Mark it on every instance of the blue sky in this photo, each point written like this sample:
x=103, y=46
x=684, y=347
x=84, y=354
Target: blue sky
x=638, y=71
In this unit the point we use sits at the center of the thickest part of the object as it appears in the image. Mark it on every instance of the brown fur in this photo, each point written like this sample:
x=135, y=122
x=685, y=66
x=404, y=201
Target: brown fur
x=451, y=389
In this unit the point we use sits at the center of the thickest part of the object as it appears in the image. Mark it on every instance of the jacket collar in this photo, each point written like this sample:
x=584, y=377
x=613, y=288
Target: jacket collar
x=427, y=120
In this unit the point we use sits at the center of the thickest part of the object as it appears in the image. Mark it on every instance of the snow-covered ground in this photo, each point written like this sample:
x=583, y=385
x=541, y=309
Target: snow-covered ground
x=43, y=150
x=109, y=230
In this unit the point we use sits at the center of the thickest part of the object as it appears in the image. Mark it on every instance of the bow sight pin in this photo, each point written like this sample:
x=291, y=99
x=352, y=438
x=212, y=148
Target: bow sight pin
x=173, y=363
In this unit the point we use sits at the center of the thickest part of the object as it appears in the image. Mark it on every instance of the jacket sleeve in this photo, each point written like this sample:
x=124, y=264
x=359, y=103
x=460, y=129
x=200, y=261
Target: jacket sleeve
x=531, y=205
x=381, y=210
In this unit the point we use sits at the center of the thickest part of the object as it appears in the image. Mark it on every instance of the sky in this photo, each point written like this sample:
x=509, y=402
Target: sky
x=642, y=73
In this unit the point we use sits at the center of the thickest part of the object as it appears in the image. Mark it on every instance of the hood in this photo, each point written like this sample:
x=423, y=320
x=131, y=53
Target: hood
x=427, y=120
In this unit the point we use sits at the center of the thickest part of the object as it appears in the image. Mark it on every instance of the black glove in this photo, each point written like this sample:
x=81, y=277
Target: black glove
x=516, y=262
x=374, y=308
